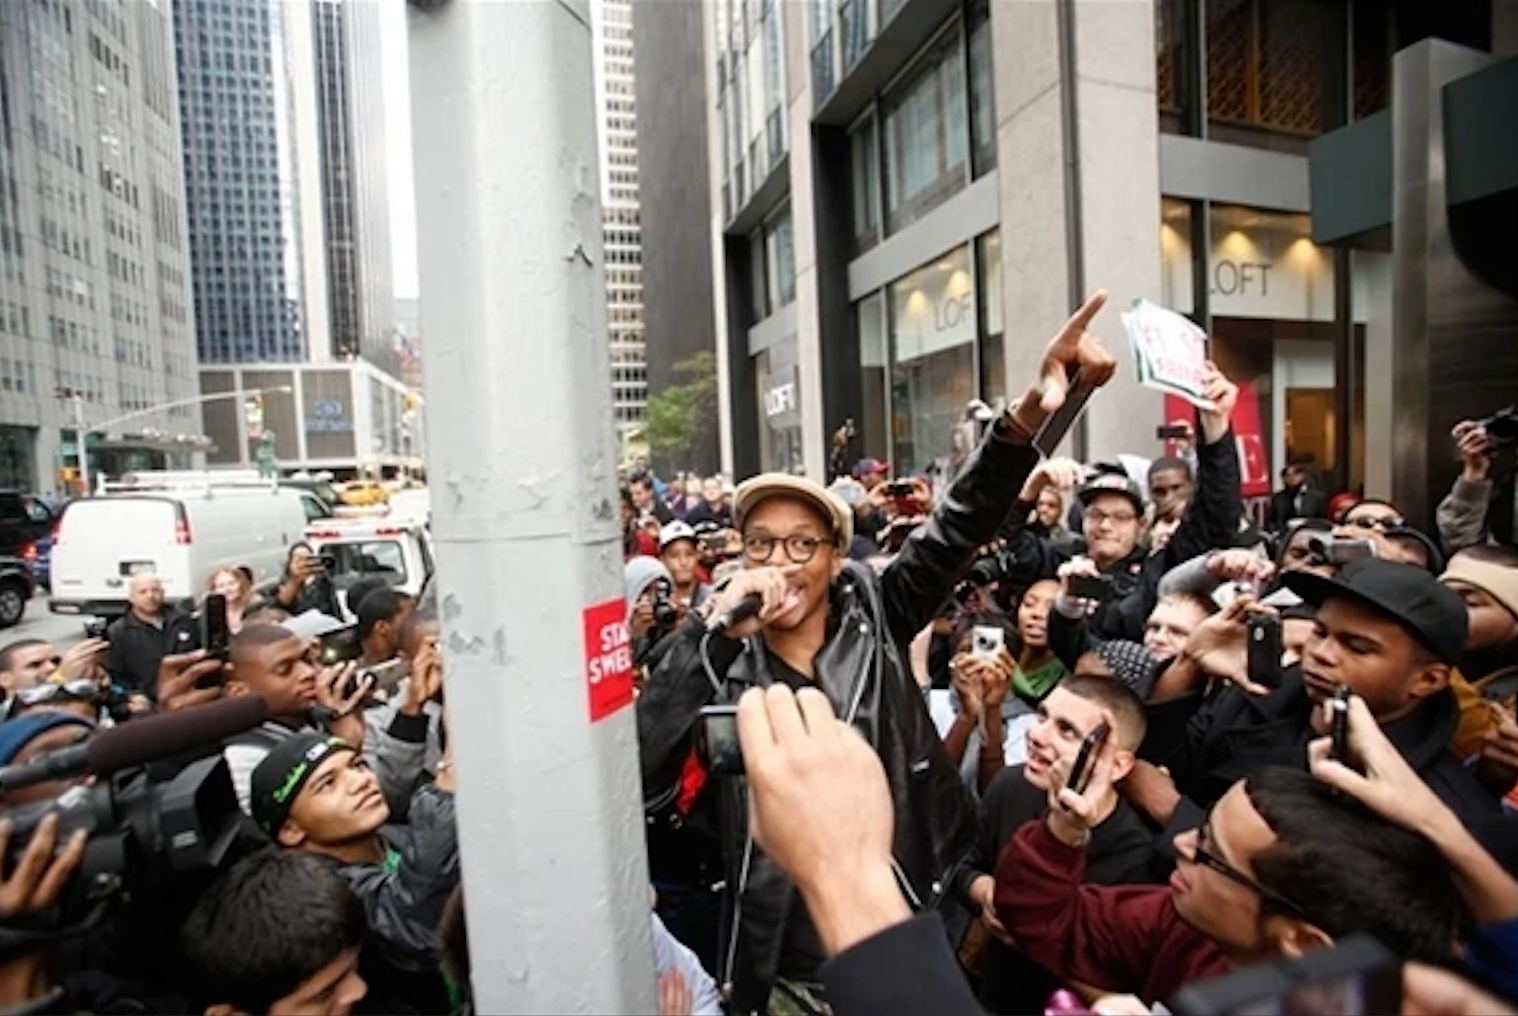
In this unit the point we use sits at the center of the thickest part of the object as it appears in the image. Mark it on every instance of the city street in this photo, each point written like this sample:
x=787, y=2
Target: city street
x=39, y=623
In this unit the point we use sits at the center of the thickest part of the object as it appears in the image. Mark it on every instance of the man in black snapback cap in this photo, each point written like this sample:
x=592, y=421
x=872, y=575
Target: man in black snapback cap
x=1389, y=632
x=316, y=794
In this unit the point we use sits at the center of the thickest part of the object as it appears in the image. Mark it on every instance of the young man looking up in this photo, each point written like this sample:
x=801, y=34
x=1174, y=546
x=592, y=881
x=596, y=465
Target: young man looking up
x=1121, y=850
x=316, y=794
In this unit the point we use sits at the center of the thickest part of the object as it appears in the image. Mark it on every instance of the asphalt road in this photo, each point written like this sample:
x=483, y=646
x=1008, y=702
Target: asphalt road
x=38, y=622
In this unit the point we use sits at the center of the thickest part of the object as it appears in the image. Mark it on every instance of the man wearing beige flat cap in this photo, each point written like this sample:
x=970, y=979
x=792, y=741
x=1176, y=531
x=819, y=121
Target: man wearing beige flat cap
x=802, y=614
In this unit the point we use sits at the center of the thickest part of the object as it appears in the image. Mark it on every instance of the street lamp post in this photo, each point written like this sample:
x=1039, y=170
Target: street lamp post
x=83, y=435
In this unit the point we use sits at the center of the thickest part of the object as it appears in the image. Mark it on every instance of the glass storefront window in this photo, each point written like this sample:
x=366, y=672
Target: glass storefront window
x=926, y=134
x=1265, y=265
x=869, y=320
x=982, y=96
x=779, y=383
x=1271, y=297
x=1175, y=256
x=932, y=360
x=993, y=355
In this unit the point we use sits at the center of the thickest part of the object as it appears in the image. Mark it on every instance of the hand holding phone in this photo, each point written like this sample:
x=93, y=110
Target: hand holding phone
x=1085, y=761
x=1076, y=794
x=724, y=753
x=1264, y=633
x=1339, y=725
x=215, y=632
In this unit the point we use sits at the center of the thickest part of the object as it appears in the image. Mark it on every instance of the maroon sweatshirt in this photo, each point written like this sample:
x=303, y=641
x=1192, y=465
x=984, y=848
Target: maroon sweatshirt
x=1119, y=938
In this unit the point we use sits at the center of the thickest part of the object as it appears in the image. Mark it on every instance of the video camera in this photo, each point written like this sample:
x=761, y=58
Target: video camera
x=185, y=822
x=148, y=820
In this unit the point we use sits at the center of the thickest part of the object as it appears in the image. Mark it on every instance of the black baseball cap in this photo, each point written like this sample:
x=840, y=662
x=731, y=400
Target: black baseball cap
x=278, y=779
x=1432, y=613
x=1112, y=483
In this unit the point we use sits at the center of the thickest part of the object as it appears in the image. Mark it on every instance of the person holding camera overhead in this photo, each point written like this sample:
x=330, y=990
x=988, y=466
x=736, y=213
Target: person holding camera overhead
x=1478, y=508
x=801, y=614
x=306, y=584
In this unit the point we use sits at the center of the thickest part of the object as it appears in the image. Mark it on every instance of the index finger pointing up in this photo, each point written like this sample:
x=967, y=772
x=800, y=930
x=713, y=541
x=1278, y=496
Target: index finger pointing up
x=1071, y=333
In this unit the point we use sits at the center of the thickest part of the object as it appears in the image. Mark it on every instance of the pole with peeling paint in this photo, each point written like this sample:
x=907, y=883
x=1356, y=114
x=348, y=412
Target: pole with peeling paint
x=525, y=511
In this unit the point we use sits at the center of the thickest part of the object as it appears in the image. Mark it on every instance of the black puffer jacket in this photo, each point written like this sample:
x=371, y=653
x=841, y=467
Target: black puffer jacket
x=863, y=669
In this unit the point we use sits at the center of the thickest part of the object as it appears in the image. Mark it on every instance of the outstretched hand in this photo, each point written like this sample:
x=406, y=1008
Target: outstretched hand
x=1073, y=349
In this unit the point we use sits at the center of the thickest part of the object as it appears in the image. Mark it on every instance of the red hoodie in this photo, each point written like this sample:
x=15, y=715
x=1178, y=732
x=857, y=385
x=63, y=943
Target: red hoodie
x=1120, y=938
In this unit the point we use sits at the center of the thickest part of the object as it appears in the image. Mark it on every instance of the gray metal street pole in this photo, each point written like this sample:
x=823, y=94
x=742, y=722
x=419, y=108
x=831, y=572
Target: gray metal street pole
x=523, y=470
x=82, y=439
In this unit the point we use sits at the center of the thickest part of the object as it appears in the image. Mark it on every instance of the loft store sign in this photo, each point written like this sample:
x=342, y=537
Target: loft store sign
x=934, y=309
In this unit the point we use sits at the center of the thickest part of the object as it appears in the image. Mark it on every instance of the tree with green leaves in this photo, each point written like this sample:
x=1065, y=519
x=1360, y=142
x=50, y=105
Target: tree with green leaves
x=677, y=415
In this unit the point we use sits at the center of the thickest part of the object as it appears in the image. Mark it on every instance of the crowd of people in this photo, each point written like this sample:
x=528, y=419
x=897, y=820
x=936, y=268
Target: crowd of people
x=1046, y=736
x=1057, y=728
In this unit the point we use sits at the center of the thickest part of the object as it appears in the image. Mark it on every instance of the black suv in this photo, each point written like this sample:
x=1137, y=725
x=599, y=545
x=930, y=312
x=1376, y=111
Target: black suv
x=23, y=519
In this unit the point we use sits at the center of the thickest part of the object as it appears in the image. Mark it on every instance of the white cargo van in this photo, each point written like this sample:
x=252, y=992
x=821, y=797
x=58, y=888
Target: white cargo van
x=181, y=531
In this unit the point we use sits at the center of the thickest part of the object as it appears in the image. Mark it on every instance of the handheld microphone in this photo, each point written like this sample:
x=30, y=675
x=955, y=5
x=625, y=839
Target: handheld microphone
x=746, y=608
x=141, y=741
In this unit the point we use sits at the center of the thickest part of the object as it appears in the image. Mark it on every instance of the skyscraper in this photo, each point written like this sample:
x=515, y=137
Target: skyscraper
x=248, y=104
x=350, y=108
x=94, y=268
x=621, y=230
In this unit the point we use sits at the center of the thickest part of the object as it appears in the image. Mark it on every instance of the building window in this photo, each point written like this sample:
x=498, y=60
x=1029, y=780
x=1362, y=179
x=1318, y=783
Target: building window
x=1276, y=66
x=926, y=136
x=780, y=260
x=864, y=167
x=982, y=94
x=932, y=360
x=993, y=355
x=874, y=364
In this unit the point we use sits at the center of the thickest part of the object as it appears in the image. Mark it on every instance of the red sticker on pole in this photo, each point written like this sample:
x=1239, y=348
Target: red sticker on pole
x=608, y=658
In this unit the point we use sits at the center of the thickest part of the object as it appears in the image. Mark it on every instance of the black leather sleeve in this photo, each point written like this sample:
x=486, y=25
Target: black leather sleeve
x=938, y=554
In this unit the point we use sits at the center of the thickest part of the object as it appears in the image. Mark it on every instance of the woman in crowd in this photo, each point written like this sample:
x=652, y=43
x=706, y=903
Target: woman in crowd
x=233, y=584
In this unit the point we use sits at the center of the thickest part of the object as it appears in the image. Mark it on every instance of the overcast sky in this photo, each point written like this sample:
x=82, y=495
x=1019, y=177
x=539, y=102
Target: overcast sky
x=398, y=142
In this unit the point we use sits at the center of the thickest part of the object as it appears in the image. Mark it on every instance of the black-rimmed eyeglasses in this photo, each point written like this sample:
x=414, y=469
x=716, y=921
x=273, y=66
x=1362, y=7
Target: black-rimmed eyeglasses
x=1222, y=867
x=799, y=548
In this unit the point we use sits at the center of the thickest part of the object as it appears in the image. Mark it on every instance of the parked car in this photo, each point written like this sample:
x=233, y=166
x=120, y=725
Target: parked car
x=39, y=555
x=16, y=589
x=23, y=518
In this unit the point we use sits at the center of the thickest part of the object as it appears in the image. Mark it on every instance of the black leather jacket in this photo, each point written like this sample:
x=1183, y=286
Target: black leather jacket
x=863, y=669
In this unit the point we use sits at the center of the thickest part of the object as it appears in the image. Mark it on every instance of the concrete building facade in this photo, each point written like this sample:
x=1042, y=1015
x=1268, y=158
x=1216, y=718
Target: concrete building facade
x=96, y=318
x=909, y=197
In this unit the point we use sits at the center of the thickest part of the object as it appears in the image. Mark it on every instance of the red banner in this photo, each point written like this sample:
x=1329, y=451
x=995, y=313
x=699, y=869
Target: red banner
x=1254, y=456
x=608, y=658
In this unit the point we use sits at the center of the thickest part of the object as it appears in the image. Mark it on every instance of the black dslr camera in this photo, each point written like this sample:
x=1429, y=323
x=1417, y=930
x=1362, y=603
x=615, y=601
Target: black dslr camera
x=665, y=616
